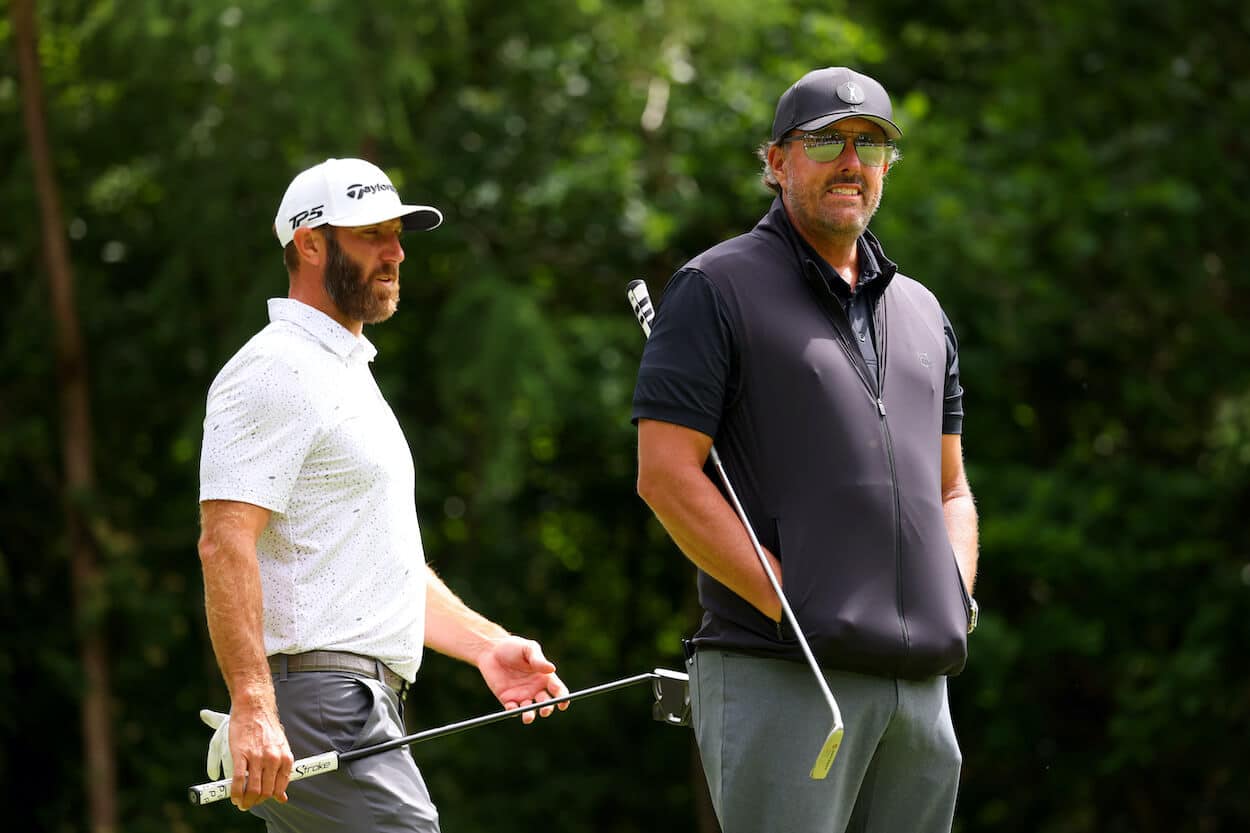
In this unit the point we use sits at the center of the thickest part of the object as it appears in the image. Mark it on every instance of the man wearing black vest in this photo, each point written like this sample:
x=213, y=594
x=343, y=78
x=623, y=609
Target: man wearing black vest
x=829, y=382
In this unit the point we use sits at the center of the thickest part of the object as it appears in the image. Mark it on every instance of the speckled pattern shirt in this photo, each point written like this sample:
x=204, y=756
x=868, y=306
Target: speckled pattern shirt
x=296, y=424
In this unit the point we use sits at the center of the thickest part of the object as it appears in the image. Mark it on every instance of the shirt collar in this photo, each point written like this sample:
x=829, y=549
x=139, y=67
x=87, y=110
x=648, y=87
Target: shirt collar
x=875, y=268
x=323, y=328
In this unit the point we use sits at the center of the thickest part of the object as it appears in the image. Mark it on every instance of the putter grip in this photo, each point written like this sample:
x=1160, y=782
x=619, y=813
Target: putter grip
x=640, y=301
x=303, y=768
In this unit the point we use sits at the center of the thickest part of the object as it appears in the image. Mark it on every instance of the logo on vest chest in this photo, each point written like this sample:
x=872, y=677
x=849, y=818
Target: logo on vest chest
x=924, y=359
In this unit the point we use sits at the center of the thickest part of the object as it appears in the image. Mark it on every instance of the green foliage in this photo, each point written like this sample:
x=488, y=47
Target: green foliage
x=1072, y=188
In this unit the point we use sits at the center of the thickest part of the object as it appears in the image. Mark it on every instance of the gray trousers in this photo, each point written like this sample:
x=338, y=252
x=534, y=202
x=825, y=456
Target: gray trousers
x=760, y=724
x=385, y=793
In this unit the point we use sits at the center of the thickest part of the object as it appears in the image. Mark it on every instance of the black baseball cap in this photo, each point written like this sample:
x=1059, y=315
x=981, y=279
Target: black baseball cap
x=824, y=96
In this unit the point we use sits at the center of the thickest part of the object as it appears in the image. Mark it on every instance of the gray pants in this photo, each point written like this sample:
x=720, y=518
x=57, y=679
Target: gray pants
x=324, y=710
x=760, y=724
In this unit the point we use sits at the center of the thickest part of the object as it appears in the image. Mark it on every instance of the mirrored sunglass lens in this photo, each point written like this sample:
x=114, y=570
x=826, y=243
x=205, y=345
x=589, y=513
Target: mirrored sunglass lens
x=872, y=155
x=825, y=151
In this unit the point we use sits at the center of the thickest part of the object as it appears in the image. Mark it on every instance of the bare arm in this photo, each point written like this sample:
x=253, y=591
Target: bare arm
x=233, y=604
x=452, y=627
x=698, y=518
x=514, y=668
x=959, y=509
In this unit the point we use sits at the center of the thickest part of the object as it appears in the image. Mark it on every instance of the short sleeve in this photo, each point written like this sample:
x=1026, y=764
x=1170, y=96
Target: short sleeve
x=259, y=427
x=686, y=373
x=953, y=398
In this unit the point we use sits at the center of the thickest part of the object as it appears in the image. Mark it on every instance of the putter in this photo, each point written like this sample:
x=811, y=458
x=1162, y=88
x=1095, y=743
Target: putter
x=669, y=688
x=640, y=300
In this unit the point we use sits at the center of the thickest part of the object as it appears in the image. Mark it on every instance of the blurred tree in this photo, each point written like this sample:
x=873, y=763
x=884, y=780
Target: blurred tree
x=1071, y=189
x=89, y=599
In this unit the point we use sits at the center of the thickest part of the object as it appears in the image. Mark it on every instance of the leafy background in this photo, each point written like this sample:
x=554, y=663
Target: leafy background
x=1072, y=188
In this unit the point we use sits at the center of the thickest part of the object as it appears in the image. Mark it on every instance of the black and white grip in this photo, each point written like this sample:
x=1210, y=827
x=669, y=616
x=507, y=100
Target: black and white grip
x=640, y=300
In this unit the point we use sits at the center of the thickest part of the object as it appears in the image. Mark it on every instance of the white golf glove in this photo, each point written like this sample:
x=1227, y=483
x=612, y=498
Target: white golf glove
x=220, y=763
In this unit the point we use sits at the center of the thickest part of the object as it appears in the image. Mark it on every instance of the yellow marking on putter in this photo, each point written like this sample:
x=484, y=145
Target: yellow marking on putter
x=827, y=753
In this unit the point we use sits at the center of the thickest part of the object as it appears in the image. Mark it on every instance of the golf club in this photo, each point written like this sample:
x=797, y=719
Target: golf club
x=640, y=300
x=669, y=688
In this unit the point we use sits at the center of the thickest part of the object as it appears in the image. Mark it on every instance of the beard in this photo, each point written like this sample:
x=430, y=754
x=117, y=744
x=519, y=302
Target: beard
x=356, y=295
x=805, y=205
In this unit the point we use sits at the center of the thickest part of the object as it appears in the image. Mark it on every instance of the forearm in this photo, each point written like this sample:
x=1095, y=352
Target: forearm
x=708, y=531
x=234, y=607
x=452, y=627
x=960, y=513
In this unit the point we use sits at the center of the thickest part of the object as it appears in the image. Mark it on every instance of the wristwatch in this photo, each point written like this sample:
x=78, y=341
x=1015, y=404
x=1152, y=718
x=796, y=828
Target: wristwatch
x=973, y=614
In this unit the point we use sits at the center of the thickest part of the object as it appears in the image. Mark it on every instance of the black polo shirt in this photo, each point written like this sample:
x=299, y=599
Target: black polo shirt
x=837, y=467
x=706, y=360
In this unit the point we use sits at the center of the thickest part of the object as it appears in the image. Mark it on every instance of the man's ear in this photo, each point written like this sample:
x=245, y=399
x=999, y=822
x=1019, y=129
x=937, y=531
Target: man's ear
x=311, y=245
x=777, y=163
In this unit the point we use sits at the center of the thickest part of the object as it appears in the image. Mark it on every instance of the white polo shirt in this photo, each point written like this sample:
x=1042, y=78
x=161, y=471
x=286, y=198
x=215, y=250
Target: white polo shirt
x=296, y=424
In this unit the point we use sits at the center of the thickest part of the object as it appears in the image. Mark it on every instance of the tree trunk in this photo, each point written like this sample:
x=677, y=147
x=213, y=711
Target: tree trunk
x=98, y=753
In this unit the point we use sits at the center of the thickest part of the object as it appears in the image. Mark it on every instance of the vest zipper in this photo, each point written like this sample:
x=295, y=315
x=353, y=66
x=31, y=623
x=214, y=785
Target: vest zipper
x=846, y=338
x=879, y=325
x=898, y=523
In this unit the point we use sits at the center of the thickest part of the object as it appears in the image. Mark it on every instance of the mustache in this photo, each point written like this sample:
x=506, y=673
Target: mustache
x=848, y=179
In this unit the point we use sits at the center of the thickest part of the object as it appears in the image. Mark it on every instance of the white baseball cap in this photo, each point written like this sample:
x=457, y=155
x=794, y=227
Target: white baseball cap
x=347, y=192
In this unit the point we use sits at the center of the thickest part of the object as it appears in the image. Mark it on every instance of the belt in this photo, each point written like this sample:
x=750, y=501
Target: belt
x=337, y=661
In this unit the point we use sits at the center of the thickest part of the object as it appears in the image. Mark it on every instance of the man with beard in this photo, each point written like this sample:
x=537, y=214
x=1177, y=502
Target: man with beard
x=317, y=594
x=829, y=382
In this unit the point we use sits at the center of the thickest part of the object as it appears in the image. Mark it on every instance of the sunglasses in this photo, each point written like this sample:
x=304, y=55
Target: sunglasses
x=872, y=151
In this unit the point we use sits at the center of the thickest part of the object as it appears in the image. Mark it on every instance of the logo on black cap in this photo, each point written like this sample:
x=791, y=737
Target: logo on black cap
x=851, y=93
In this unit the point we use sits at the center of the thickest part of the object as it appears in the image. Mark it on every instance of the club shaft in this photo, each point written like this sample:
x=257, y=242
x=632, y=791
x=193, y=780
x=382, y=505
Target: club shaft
x=214, y=791
x=772, y=579
x=640, y=300
x=494, y=717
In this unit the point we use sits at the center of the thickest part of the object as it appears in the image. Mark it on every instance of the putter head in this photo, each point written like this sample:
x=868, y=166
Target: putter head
x=827, y=753
x=672, y=697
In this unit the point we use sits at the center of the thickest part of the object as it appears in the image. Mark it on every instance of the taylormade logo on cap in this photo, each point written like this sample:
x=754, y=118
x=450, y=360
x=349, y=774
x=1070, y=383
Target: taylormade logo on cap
x=347, y=192
x=357, y=191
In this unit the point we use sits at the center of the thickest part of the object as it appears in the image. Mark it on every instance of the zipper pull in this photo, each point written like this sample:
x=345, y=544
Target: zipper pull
x=880, y=406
